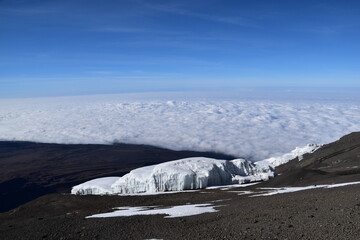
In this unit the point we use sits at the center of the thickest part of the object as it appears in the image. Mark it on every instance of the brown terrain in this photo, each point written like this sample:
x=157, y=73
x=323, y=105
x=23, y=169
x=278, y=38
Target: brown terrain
x=324, y=213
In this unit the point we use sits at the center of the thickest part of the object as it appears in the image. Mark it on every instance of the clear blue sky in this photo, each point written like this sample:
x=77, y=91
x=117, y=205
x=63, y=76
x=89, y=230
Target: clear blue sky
x=53, y=47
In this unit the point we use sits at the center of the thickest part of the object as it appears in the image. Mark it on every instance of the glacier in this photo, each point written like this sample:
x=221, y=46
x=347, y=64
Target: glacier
x=98, y=186
x=188, y=174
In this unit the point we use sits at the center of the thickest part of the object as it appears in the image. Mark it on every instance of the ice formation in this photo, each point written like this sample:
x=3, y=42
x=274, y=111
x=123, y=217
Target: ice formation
x=183, y=174
x=187, y=174
x=98, y=186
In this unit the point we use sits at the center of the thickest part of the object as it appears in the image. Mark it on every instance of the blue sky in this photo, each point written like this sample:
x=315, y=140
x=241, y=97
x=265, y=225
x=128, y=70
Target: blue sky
x=52, y=48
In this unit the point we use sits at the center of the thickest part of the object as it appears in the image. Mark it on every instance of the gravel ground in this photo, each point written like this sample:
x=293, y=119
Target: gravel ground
x=323, y=213
x=310, y=214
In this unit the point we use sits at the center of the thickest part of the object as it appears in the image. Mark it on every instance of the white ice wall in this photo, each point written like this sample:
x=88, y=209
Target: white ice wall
x=187, y=174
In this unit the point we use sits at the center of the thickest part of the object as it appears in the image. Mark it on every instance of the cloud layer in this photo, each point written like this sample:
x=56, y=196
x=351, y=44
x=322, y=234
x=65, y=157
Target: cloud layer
x=253, y=129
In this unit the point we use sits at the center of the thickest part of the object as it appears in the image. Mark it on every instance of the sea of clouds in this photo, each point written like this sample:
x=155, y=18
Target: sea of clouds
x=254, y=129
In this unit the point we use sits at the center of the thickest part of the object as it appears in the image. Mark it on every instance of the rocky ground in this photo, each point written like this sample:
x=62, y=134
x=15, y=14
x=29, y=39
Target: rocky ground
x=311, y=214
x=322, y=213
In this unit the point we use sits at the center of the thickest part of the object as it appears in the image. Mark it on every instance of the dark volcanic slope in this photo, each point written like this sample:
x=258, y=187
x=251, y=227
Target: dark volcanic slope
x=334, y=162
x=310, y=214
x=29, y=170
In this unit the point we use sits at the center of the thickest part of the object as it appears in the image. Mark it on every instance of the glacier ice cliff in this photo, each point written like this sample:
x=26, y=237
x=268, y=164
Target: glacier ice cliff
x=187, y=174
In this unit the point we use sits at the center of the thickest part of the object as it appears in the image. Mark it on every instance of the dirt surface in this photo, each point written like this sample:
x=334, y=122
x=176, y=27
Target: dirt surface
x=30, y=170
x=312, y=214
x=323, y=213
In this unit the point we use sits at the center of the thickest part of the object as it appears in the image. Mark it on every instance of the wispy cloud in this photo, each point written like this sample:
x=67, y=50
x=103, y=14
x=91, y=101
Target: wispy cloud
x=136, y=30
x=323, y=30
x=28, y=11
x=236, y=20
x=329, y=29
x=65, y=79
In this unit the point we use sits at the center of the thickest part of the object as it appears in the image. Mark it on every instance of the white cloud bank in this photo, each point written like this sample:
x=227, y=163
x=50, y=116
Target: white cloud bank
x=252, y=129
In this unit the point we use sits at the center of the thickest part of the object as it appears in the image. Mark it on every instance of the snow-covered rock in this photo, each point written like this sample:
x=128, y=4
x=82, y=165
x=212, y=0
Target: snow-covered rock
x=189, y=173
x=296, y=153
x=98, y=186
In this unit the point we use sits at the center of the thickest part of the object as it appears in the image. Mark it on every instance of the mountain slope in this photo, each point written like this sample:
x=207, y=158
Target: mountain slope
x=338, y=161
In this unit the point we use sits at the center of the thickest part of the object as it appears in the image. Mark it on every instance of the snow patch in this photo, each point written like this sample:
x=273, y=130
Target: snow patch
x=226, y=187
x=242, y=192
x=172, y=212
x=274, y=191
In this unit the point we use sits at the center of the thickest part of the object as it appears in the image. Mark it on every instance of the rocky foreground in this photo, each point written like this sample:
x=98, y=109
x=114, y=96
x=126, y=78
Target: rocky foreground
x=318, y=213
